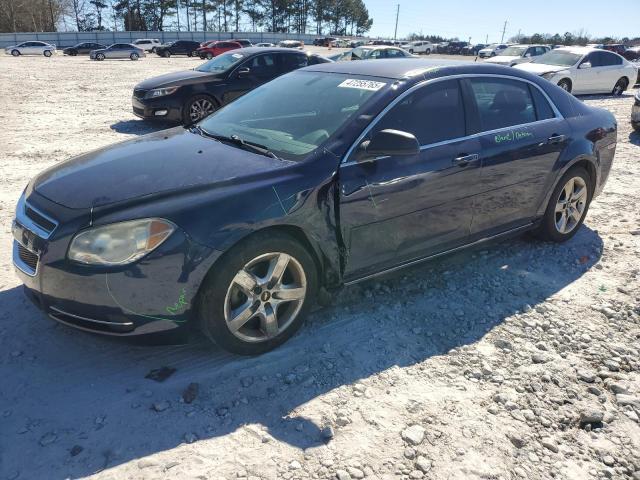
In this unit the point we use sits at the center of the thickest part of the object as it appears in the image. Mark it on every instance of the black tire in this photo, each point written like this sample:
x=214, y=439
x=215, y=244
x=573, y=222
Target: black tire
x=134, y=56
x=47, y=53
x=194, y=54
x=186, y=110
x=100, y=57
x=547, y=229
x=427, y=51
x=620, y=87
x=153, y=49
x=73, y=53
x=166, y=54
x=411, y=51
x=15, y=52
x=213, y=292
x=565, y=84
x=209, y=55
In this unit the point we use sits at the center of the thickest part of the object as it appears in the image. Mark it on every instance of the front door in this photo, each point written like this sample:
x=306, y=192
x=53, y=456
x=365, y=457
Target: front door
x=521, y=139
x=395, y=209
x=250, y=74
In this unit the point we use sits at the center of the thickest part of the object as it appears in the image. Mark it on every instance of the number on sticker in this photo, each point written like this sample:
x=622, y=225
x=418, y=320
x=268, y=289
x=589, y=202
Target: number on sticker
x=362, y=84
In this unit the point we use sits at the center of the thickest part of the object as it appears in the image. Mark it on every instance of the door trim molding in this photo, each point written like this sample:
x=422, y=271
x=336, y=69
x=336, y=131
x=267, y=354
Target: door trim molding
x=440, y=254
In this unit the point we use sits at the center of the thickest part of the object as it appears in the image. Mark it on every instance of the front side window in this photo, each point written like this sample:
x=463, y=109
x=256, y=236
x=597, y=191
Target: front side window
x=295, y=61
x=295, y=113
x=514, y=51
x=502, y=103
x=434, y=113
x=221, y=63
x=560, y=58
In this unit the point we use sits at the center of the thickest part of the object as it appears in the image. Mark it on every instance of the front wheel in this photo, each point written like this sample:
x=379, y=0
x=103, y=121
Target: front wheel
x=567, y=206
x=257, y=295
x=134, y=56
x=427, y=51
x=620, y=87
x=47, y=53
x=565, y=84
x=197, y=108
x=166, y=54
x=100, y=57
x=15, y=53
x=209, y=56
x=153, y=49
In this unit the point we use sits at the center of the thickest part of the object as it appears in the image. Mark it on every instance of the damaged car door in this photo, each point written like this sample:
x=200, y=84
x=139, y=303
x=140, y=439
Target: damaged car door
x=399, y=206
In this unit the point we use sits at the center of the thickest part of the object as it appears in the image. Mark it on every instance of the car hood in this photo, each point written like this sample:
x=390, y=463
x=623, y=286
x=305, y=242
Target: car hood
x=161, y=162
x=540, y=68
x=178, y=78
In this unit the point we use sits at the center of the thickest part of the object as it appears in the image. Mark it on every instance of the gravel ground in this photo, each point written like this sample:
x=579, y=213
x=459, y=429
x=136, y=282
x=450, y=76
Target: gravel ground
x=518, y=361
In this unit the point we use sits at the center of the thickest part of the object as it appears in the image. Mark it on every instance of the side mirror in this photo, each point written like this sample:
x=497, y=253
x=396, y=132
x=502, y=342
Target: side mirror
x=585, y=65
x=243, y=72
x=387, y=143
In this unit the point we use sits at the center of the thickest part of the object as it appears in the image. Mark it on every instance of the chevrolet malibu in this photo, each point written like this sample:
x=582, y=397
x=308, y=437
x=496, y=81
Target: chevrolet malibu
x=324, y=177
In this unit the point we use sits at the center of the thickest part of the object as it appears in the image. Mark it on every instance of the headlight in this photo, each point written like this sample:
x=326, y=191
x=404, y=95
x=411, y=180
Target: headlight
x=548, y=75
x=119, y=243
x=160, y=92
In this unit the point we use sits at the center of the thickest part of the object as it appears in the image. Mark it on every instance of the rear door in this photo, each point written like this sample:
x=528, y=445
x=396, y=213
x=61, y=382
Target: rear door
x=521, y=137
x=609, y=72
x=395, y=209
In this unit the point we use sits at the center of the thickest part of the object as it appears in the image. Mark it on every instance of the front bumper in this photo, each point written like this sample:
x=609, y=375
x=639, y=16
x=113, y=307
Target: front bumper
x=151, y=297
x=167, y=108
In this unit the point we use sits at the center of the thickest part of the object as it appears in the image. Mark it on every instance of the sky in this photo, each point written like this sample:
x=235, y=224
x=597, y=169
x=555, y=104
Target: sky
x=479, y=18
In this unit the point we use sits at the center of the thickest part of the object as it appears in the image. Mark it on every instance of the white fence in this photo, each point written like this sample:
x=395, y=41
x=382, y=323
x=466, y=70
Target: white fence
x=67, y=39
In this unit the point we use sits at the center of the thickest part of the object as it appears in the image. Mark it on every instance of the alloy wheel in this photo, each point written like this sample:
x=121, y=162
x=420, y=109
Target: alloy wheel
x=571, y=205
x=265, y=297
x=200, y=109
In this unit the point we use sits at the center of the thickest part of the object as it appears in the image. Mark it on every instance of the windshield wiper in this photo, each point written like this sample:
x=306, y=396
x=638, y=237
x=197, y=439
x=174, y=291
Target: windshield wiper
x=235, y=140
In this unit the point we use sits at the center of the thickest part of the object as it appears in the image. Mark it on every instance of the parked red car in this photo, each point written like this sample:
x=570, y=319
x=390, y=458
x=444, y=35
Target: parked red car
x=209, y=50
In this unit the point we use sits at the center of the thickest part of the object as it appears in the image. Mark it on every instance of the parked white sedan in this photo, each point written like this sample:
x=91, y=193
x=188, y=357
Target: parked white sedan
x=515, y=54
x=582, y=70
x=31, y=48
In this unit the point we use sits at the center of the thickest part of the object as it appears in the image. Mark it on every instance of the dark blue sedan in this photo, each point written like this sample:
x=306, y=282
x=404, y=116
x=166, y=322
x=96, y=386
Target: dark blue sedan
x=324, y=177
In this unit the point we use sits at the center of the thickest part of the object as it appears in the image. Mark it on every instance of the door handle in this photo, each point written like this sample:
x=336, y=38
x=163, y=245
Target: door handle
x=465, y=160
x=553, y=139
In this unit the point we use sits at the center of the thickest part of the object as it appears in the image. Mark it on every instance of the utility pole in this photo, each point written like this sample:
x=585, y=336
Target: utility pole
x=504, y=30
x=395, y=33
x=486, y=40
x=178, y=14
x=519, y=32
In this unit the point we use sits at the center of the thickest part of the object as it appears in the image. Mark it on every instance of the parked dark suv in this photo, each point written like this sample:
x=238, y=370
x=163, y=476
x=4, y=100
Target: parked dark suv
x=191, y=95
x=455, y=48
x=179, y=47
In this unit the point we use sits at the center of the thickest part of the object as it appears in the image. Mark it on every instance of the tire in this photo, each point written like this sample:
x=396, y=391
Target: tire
x=427, y=51
x=73, y=53
x=550, y=228
x=194, y=54
x=100, y=57
x=134, y=56
x=47, y=53
x=203, y=103
x=15, y=52
x=209, y=55
x=153, y=49
x=620, y=86
x=166, y=54
x=221, y=298
x=411, y=51
x=565, y=84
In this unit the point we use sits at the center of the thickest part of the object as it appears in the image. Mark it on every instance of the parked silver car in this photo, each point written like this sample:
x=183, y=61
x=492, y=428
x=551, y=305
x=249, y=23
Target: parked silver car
x=31, y=48
x=118, y=50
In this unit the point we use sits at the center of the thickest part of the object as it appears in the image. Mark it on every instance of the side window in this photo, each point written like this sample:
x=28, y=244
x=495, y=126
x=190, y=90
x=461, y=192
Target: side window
x=377, y=53
x=608, y=59
x=543, y=109
x=434, y=113
x=293, y=62
x=262, y=65
x=394, y=53
x=593, y=58
x=502, y=103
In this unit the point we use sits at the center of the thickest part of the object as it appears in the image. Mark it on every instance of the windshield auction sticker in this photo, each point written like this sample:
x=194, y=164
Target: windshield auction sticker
x=362, y=84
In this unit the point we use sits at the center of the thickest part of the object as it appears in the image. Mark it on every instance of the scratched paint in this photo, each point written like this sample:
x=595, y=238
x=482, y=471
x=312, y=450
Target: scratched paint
x=182, y=302
x=512, y=136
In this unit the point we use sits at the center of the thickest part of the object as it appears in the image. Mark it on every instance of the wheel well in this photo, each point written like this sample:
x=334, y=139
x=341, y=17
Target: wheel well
x=591, y=170
x=566, y=79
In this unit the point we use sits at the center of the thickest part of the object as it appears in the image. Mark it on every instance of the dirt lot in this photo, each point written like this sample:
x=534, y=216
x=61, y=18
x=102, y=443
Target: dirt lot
x=521, y=361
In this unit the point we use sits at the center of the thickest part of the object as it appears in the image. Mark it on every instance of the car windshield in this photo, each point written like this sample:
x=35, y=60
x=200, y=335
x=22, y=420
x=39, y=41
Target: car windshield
x=221, y=63
x=294, y=114
x=513, y=51
x=559, y=58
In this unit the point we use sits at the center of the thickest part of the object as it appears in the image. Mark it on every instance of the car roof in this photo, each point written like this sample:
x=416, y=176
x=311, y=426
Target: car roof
x=580, y=50
x=389, y=68
x=254, y=49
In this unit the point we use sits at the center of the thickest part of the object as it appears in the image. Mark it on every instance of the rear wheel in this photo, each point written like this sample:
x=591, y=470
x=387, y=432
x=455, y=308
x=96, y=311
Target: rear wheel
x=153, y=49
x=194, y=54
x=256, y=297
x=15, y=53
x=565, y=84
x=47, y=53
x=620, y=87
x=567, y=206
x=427, y=51
x=411, y=50
x=134, y=56
x=197, y=108
x=73, y=53
x=166, y=54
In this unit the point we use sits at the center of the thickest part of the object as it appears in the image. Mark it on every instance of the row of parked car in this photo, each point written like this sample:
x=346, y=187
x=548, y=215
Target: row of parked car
x=140, y=47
